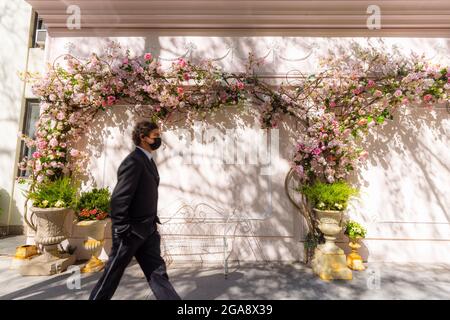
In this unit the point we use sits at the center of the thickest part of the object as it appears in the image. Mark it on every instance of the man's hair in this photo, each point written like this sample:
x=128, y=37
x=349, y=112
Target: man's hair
x=143, y=128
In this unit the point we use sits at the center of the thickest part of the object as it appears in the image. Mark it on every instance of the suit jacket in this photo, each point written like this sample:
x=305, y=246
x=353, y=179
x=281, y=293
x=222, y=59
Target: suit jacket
x=134, y=200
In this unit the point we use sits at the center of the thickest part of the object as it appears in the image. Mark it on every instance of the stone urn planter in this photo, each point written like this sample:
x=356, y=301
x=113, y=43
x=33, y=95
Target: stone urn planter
x=50, y=233
x=94, y=233
x=354, y=260
x=329, y=261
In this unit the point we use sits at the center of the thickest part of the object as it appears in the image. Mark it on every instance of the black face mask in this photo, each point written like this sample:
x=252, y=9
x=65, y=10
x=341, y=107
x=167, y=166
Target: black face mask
x=155, y=145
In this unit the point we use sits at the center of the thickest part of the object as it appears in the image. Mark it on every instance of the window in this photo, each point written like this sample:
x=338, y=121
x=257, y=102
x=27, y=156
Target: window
x=38, y=23
x=32, y=109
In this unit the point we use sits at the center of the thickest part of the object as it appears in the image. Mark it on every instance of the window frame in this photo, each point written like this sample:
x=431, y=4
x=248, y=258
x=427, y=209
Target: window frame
x=38, y=23
x=26, y=126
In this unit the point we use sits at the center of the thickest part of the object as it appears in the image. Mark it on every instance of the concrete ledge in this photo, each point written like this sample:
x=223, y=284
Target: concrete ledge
x=11, y=230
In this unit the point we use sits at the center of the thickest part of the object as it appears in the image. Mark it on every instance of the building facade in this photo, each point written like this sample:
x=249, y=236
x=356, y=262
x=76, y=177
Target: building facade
x=404, y=200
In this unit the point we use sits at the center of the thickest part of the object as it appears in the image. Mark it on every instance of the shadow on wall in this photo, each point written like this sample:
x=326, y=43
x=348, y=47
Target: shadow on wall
x=233, y=191
x=6, y=230
x=401, y=134
x=412, y=150
x=228, y=193
x=9, y=93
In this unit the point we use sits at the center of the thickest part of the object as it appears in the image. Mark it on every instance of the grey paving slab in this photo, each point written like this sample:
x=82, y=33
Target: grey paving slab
x=246, y=281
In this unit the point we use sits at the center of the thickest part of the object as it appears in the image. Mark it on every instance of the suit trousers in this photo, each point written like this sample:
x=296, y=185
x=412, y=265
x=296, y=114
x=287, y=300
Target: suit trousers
x=147, y=252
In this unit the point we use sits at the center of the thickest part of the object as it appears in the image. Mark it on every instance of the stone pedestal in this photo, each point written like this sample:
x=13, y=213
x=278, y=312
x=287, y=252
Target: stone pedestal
x=50, y=233
x=49, y=263
x=329, y=260
x=330, y=265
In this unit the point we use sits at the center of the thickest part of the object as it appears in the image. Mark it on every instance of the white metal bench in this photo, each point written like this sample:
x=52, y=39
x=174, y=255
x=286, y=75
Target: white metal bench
x=198, y=231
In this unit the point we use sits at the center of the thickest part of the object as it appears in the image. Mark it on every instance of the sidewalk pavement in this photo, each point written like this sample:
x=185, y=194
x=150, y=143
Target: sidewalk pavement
x=268, y=280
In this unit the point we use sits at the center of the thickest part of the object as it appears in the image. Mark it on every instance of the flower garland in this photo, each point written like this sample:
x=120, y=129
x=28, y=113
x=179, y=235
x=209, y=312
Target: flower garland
x=357, y=89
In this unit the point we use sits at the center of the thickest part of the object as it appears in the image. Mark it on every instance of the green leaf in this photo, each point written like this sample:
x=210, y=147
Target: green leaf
x=47, y=194
x=332, y=196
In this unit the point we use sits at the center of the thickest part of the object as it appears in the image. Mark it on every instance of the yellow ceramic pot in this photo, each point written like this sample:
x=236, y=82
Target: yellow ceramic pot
x=94, y=231
x=354, y=260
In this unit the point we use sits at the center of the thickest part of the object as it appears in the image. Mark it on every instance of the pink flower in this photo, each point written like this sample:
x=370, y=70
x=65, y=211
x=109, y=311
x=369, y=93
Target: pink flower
x=347, y=132
x=74, y=153
x=53, y=142
x=180, y=90
x=357, y=91
x=148, y=56
x=427, y=98
x=140, y=70
x=42, y=144
x=362, y=122
x=317, y=151
x=111, y=100
x=36, y=155
x=363, y=155
x=146, y=88
x=299, y=170
x=182, y=63
x=186, y=76
x=125, y=61
x=332, y=104
x=60, y=116
x=398, y=93
x=370, y=84
x=240, y=85
x=378, y=93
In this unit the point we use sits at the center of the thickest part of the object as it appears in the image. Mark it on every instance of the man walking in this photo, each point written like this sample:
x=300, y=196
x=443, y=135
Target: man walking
x=134, y=218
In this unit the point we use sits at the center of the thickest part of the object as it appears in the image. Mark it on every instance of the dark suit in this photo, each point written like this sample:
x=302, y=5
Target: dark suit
x=134, y=217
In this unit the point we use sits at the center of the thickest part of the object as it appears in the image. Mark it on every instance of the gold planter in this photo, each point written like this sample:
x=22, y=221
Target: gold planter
x=354, y=260
x=25, y=252
x=23, y=255
x=94, y=231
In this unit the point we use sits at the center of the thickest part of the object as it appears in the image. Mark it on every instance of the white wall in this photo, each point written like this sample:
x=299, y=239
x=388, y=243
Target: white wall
x=403, y=185
x=15, y=18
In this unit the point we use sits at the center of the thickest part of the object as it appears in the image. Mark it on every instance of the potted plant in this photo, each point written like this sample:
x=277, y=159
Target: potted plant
x=355, y=232
x=52, y=201
x=329, y=202
x=93, y=208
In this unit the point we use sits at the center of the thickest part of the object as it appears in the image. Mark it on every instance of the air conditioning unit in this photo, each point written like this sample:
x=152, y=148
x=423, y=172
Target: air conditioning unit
x=41, y=35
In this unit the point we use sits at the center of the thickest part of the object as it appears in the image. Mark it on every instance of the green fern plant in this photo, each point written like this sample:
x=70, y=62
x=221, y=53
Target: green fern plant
x=60, y=193
x=354, y=230
x=324, y=196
